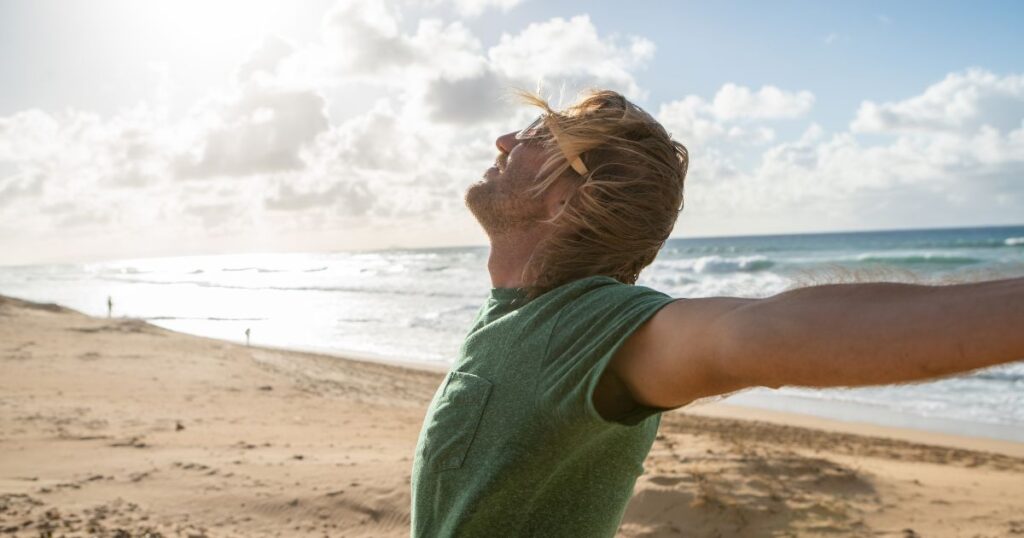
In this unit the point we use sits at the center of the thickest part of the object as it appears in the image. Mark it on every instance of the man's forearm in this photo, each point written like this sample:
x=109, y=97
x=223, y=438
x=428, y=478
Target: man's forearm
x=874, y=333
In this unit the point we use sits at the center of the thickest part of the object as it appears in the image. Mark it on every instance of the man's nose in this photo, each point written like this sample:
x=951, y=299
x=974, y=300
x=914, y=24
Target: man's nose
x=506, y=142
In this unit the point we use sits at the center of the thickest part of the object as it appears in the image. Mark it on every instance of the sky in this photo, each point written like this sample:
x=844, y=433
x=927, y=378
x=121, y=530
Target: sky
x=136, y=128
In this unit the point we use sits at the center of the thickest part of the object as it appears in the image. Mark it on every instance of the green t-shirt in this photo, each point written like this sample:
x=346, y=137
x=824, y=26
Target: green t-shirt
x=511, y=444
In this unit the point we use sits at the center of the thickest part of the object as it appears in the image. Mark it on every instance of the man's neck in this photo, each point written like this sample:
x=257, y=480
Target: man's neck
x=509, y=255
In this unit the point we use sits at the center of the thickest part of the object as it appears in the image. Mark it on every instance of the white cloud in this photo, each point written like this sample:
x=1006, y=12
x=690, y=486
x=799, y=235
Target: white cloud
x=446, y=50
x=56, y=170
x=474, y=8
x=945, y=167
x=571, y=51
x=949, y=159
x=376, y=140
x=739, y=102
x=468, y=100
x=27, y=135
x=265, y=59
x=420, y=103
x=721, y=135
x=259, y=128
x=365, y=35
x=365, y=39
x=328, y=187
x=961, y=101
x=21, y=184
x=736, y=114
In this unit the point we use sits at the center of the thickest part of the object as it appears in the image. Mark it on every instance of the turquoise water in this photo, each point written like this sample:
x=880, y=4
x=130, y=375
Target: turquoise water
x=417, y=304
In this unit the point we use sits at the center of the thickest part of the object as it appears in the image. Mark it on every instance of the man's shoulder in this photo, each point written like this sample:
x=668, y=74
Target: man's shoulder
x=597, y=308
x=602, y=294
x=598, y=288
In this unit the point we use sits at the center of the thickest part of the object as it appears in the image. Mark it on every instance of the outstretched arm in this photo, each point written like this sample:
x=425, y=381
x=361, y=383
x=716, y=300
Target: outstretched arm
x=821, y=336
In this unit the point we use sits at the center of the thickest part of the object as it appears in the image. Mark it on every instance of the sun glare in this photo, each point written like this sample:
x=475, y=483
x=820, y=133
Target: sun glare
x=196, y=28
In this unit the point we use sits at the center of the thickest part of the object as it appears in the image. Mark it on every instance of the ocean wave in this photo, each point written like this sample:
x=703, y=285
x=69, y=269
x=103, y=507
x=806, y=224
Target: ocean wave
x=350, y=289
x=813, y=243
x=666, y=278
x=441, y=318
x=718, y=264
x=359, y=320
x=989, y=242
x=994, y=242
x=990, y=400
x=685, y=250
x=257, y=269
x=162, y=318
x=1011, y=372
x=122, y=271
x=918, y=259
x=266, y=270
x=1008, y=377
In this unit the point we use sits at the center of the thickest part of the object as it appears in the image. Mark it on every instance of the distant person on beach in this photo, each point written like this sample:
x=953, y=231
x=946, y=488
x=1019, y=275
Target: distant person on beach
x=110, y=306
x=542, y=424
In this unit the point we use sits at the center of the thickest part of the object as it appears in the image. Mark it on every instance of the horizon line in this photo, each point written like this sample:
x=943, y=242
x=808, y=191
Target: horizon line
x=455, y=247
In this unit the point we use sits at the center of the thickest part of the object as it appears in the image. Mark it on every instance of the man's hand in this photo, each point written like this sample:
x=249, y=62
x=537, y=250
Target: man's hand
x=821, y=336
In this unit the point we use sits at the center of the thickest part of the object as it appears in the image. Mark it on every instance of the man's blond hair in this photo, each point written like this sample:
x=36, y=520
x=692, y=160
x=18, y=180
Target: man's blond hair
x=619, y=214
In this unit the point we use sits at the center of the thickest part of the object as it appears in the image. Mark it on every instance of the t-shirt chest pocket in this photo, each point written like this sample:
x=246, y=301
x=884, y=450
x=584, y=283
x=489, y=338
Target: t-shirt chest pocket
x=455, y=420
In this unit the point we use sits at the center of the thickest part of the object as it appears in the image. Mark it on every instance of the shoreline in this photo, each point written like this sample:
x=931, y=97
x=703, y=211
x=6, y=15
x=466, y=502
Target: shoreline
x=732, y=410
x=961, y=405
x=774, y=407
x=989, y=435
x=116, y=424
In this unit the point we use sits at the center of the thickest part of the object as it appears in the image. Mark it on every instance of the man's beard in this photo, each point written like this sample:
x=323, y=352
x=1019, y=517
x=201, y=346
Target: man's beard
x=501, y=206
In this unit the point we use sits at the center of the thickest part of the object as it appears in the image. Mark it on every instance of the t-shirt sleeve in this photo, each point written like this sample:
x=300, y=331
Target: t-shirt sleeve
x=583, y=341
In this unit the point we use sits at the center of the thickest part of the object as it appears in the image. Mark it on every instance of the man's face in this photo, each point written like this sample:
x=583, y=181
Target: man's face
x=499, y=200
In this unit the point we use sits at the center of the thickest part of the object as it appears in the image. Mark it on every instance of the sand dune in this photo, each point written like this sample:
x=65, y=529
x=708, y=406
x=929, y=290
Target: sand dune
x=120, y=428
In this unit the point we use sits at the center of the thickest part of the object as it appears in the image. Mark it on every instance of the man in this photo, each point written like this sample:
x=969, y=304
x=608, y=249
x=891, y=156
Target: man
x=542, y=424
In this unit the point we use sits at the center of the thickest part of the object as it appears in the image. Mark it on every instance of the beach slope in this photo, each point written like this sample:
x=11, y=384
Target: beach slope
x=115, y=427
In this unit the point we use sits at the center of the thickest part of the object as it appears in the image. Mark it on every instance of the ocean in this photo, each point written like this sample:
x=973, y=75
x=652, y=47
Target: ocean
x=416, y=305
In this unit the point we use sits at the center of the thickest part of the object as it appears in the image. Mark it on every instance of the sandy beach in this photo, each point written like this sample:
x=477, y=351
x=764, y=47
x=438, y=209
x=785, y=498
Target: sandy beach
x=115, y=427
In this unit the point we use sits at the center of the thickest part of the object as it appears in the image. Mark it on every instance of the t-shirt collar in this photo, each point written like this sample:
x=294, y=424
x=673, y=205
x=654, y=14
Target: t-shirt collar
x=507, y=295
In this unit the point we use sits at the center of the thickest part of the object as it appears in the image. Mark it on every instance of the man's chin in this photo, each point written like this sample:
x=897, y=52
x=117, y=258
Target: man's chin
x=476, y=195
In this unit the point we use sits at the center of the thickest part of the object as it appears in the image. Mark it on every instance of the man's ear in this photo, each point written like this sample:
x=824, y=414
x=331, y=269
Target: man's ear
x=558, y=194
